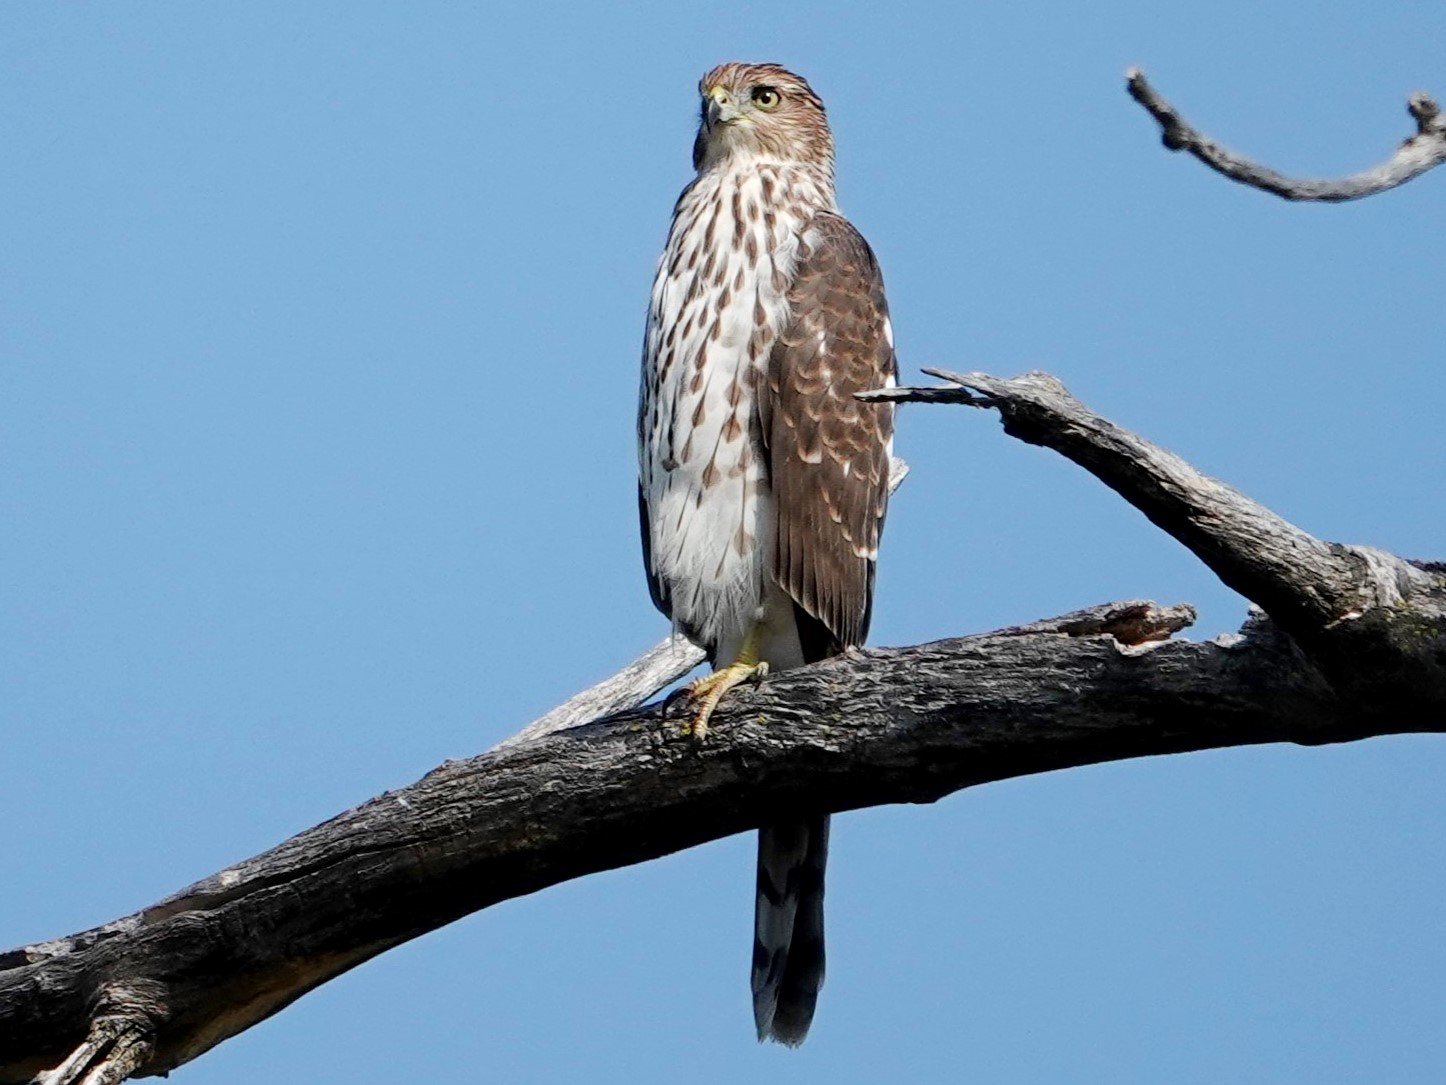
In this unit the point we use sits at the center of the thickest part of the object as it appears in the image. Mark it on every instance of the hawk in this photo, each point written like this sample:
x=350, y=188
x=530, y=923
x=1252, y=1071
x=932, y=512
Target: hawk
x=762, y=481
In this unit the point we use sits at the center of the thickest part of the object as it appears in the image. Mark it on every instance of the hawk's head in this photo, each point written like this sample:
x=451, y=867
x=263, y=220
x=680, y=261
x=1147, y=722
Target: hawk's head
x=761, y=110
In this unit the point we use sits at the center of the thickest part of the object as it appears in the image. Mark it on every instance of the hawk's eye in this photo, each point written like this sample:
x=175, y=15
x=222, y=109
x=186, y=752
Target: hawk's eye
x=767, y=98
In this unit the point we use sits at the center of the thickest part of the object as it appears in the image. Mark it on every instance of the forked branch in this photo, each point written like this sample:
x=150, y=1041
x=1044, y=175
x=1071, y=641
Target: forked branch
x=921, y=722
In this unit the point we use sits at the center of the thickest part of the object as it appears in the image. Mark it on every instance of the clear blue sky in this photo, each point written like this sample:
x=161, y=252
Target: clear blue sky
x=319, y=328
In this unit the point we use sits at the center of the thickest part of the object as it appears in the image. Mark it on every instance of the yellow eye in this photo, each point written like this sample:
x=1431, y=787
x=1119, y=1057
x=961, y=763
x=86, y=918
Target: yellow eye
x=767, y=98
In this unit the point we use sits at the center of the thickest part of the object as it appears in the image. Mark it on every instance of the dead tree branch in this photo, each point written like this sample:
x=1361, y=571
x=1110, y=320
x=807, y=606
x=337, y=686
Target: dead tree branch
x=902, y=725
x=661, y=665
x=1374, y=622
x=1360, y=650
x=1421, y=152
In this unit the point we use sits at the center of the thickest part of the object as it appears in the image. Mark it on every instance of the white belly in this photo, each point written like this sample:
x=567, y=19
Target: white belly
x=718, y=304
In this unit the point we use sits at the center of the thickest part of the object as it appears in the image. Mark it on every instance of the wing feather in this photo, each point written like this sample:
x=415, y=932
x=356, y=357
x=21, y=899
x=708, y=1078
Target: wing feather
x=829, y=453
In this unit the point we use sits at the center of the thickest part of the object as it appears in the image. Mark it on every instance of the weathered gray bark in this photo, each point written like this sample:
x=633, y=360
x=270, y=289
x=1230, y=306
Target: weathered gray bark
x=1372, y=620
x=1359, y=649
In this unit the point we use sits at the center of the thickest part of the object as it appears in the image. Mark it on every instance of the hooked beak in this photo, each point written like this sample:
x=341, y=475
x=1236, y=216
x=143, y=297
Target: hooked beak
x=719, y=107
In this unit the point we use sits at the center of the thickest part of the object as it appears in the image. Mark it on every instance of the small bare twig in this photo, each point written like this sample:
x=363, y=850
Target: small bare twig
x=948, y=393
x=1423, y=151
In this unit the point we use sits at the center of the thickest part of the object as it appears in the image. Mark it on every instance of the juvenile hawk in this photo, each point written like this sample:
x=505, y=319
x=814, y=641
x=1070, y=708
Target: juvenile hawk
x=762, y=481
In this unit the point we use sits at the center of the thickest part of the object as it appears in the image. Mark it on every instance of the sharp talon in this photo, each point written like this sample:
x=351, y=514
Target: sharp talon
x=706, y=692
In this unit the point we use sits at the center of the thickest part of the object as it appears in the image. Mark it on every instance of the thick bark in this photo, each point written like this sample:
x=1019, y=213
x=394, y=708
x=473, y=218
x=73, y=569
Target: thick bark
x=891, y=725
x=1361, y=650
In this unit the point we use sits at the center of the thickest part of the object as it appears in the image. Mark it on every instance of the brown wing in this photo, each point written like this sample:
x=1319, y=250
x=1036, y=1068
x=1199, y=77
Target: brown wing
x=829, y=453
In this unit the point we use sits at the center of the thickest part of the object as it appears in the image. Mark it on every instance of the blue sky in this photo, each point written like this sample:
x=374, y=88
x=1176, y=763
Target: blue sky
x=319, y=329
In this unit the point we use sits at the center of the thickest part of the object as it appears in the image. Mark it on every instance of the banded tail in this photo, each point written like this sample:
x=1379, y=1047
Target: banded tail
x=788, y=952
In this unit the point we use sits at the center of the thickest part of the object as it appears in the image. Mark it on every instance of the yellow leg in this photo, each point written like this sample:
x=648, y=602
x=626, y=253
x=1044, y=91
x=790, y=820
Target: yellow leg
x=706, y=692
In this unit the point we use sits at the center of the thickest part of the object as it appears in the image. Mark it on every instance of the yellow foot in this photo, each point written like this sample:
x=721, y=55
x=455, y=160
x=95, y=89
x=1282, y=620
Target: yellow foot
x=706, y=692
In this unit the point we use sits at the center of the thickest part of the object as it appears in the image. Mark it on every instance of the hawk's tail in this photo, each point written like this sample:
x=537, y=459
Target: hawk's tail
x=788, y=928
